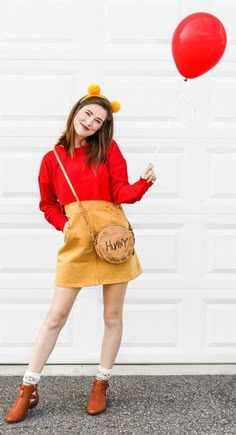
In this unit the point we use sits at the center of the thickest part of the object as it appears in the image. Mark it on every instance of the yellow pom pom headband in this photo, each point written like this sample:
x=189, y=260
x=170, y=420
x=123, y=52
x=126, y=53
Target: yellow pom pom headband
x=95, y=91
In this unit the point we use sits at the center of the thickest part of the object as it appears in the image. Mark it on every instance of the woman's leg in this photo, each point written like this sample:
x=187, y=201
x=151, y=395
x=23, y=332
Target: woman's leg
x=56, y=317
x=113, y=299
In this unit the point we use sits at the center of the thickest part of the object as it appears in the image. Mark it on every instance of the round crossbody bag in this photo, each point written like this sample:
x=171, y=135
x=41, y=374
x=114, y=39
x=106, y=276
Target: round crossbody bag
x=114, y=243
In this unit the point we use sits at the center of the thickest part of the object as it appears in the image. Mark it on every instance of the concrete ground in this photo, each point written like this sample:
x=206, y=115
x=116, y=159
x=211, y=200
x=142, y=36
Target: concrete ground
x=125, y=369
x=163, y=403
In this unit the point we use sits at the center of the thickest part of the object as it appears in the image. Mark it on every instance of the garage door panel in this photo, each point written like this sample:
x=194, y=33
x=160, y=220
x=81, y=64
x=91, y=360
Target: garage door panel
x=21, y=249
x=225, y=12
x=151, y=323
x=138, y=37
x=153, y=27
x=159, y=249
x=44, y=31
x=41, y=25
x=222, y=249
x=21, y=91
x=222, y=175
x=17, y=174
x=223, y=94
x=220, y=324
x=12, y=315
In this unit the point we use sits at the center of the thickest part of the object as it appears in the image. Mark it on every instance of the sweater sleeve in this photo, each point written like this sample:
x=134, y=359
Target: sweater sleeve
x=49, y=203
x=122, y=191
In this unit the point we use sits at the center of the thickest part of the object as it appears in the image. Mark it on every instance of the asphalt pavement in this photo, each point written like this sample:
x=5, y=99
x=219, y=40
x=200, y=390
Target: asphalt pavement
x=160, y=405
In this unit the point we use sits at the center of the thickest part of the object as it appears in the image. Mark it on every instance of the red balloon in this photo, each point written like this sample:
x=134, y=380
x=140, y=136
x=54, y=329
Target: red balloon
x=198, y=43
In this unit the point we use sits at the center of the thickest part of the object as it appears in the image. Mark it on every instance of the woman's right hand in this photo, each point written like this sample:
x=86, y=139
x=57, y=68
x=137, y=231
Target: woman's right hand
x=148, y=174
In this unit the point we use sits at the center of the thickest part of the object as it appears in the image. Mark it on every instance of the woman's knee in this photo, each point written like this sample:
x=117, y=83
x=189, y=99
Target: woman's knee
x=60, y=307
x=55, y=320
x=113, y=319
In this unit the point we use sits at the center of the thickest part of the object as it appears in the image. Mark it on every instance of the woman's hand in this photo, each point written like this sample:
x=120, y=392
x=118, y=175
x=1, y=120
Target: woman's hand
x=148, y=174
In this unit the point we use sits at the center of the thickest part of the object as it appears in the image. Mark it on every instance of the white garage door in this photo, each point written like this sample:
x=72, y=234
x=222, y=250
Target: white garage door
x=183, y=308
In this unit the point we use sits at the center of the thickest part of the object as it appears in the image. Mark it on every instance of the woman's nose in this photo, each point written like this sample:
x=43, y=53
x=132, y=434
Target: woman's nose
x=89, y=122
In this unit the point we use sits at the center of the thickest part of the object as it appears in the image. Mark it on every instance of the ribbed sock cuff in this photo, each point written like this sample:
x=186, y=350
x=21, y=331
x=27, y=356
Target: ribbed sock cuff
x=103, y=374
x=31, y=378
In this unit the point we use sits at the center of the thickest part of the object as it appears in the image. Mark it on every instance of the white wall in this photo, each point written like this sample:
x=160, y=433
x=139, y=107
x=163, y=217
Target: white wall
x=183, y=308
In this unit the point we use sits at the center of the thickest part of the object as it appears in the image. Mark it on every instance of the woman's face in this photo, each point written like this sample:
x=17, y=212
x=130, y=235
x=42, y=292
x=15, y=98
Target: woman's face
x=89, y=119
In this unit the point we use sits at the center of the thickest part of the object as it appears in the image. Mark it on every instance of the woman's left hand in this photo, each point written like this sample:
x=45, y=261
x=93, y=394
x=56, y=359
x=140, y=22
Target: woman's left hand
x=149, y=174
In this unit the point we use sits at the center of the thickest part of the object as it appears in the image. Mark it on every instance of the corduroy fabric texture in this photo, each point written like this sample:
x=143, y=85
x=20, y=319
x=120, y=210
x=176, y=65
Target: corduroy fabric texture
x=77, y=262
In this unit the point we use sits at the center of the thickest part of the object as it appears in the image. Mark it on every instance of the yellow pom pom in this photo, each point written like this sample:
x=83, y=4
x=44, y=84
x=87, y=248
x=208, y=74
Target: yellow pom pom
x=94, y=89
x=115, y=106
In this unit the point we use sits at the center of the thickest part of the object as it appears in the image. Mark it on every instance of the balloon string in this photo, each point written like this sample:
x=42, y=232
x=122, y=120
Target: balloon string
x=181, y=97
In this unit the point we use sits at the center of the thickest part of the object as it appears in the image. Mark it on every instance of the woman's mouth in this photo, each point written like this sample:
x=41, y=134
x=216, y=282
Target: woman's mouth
x=84, y=127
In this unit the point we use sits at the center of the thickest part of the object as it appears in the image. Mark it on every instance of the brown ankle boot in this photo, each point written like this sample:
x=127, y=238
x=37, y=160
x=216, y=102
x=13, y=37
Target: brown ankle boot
x=97, y=400
x=27, y=398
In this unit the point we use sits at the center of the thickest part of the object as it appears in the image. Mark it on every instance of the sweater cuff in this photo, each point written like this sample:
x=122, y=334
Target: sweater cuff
x=61, y=223
x=145, y=184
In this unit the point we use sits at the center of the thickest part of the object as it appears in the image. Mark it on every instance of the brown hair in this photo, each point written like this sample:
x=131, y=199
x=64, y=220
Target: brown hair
x=99, y=141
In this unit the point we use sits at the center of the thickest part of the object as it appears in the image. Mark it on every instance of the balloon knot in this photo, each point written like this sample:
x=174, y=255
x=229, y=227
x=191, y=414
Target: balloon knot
x=185, y=79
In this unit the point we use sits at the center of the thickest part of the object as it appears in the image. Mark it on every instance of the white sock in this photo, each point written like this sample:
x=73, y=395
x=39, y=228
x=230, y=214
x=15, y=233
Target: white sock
x=31, y=378
x=103, y=374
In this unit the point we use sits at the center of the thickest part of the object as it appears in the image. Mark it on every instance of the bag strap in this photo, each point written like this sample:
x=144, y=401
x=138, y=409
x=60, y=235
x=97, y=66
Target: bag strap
x=79, y=202
x=66, y=176
x=75, y=194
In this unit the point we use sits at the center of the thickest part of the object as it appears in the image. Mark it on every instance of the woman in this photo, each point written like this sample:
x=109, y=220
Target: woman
x=98, y=173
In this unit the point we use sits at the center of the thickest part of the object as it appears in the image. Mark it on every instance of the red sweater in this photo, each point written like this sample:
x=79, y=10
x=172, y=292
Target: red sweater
x=109, y=183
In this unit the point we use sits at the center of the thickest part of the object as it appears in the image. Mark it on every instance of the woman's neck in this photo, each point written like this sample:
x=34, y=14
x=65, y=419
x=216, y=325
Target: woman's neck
x=79, y=142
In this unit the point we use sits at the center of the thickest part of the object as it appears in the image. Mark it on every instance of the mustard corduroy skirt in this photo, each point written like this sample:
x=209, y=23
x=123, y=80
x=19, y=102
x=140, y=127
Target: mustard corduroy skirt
x=77, y=262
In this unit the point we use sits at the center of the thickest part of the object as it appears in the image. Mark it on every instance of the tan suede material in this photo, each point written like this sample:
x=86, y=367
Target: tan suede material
x=27, y=398
x=78, y=265
x=115, y=244
x=98, y=401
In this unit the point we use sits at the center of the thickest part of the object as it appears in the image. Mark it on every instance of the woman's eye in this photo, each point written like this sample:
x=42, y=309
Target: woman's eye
x=87, y=113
